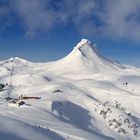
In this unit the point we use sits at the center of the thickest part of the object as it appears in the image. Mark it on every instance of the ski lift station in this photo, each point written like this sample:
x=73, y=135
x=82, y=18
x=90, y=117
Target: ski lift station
x=9, y=99
x=12, y=102
x=15, y=103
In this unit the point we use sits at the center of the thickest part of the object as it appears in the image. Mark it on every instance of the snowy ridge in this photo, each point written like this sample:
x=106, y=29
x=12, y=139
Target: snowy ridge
x=83, y=96
x=85, y=58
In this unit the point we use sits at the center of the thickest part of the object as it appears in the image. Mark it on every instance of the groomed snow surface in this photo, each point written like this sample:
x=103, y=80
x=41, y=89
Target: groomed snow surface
x=83, y=97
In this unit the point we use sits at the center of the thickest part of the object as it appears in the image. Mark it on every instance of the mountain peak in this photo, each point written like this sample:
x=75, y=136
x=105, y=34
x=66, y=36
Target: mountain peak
x=17, y=60
x=86, y=57
x=85, y=48
x=82, y=42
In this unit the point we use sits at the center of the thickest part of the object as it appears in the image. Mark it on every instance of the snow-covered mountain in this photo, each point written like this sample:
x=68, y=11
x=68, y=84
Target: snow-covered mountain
x=84, y=96
x=85, y=58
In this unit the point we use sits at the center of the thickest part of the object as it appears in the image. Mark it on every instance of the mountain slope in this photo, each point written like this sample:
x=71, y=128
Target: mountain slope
x=83, y=97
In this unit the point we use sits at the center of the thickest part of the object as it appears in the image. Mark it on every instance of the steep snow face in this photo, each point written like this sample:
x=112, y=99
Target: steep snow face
x=85, y=58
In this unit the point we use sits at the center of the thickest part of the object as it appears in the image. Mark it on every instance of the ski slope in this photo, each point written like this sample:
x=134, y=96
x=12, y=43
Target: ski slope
x=84, y=96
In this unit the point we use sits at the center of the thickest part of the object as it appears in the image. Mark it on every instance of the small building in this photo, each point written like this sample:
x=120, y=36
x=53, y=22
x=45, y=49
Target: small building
x=23, y=97
x=15, y=103
x=57, y=90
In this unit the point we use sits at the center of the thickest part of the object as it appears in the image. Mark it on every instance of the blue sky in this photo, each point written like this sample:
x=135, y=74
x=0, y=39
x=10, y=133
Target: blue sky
x=45, y=30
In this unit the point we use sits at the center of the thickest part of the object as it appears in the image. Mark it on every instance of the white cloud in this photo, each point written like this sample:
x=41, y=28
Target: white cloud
x=110, y=18
x=40, y=16
x=121, y=19
x=34, y=16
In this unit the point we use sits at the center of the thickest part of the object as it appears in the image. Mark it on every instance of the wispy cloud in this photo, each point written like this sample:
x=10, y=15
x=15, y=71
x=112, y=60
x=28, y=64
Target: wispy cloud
x=115, y=19
x=121, y=19
x=40, y=16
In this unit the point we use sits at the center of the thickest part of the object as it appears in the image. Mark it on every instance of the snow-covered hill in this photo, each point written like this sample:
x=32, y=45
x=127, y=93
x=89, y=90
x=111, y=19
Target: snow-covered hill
x=83, y=97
